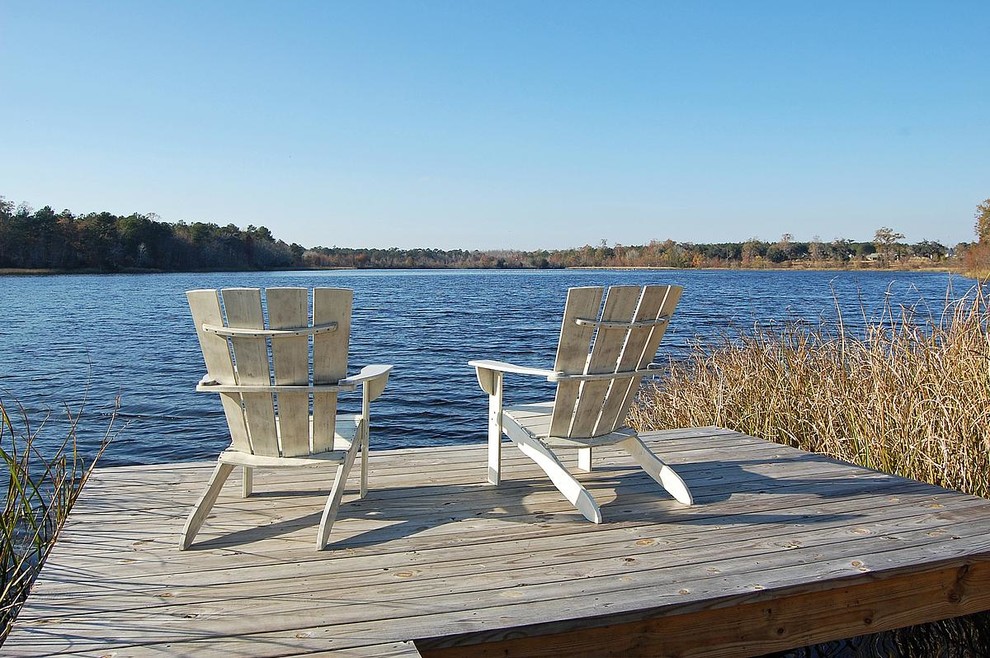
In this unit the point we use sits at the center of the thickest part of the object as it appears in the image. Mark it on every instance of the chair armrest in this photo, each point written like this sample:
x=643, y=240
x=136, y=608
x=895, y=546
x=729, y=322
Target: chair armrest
x=485, y=370
x=486, y=373
x=502, y=366
x=374, y=377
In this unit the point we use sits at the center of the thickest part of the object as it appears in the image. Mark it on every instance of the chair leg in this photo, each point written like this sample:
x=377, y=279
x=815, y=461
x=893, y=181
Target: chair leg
x=657, y=469
x=247, y=481
x=495, y=432
x=584, y=459
x=364, y=434
x=364, y=465
x=336, y=494
x=561, y=478
x=202, y=509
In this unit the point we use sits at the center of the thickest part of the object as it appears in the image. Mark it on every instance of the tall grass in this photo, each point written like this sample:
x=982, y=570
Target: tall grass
x=908, y=394
x=40, y=490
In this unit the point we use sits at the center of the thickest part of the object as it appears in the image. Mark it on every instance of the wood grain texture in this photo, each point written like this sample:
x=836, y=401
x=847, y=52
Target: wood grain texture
x=782, y=621
x=782, y=548
x=641, y=347
x=205, y=308
x=329, y=358
x=242, y=306
x=572, y=353
x=288, y=308
x=602, y=357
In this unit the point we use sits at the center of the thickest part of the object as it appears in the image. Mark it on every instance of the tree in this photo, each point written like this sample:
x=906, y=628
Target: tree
x=816, y=249
x=753, y=249
x=843, y=248
x=785, y=245
x=885, y=240
x=930, y=249
x=777, y=254
x=983, y=221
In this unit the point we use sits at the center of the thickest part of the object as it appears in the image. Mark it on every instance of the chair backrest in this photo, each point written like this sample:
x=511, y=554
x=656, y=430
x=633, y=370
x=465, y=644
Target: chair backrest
x=268, y=355
x=618, y=340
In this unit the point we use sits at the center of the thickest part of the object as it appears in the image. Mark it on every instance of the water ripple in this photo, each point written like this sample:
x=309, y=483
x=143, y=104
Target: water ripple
x=85, y=340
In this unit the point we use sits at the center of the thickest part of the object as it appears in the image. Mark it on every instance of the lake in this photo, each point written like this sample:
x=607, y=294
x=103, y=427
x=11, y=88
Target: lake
x=74, y=339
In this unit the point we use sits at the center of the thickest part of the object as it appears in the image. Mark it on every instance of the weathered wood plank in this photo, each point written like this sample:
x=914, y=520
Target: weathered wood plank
x=755, y=628
x=624, y=564
x=970, y=596
x=288, y=308
x=649, y=492
x=432, y=555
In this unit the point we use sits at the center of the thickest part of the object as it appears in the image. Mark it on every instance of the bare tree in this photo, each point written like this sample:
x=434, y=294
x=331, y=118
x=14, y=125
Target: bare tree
x=885, y=240
x=983, y=222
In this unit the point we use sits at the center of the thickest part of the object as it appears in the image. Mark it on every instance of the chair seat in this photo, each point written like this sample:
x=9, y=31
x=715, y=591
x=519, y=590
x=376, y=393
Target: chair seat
x=534, y=419
x=346, y=430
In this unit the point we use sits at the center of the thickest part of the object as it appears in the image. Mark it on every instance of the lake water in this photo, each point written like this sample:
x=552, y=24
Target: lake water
x=75, y=338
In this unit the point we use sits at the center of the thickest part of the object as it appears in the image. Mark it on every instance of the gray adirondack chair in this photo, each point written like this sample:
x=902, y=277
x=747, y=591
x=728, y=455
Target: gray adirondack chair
x=603, y=354
x=278, y=383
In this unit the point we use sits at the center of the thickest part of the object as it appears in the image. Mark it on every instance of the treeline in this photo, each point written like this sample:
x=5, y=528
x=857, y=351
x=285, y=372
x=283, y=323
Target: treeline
x=394, y=258
x=884, y=251
x=104, y=242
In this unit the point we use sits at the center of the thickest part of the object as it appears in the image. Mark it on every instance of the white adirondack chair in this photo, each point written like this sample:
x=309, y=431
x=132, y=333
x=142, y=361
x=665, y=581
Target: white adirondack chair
x=279, y=384
x=603, y=354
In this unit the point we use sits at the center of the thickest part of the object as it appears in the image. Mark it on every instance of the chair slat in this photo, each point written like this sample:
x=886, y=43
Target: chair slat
x=242, y=307
x=288, y=308
x=672, y=296
x=620, y=307
x=205, y=308
x=294, y=332
x=644, y=322
x=329, y=358
x=572, y=353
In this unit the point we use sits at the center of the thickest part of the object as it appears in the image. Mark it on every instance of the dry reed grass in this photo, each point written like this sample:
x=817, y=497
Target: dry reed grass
x=41, y=488
x=909, y=395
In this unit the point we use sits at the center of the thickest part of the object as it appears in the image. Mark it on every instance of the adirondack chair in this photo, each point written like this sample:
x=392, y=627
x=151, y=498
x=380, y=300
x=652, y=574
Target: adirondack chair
x=279, y=384
x=602, y=356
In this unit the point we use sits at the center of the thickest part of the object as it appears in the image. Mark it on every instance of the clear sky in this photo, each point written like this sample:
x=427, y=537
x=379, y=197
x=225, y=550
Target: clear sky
x=504, y=124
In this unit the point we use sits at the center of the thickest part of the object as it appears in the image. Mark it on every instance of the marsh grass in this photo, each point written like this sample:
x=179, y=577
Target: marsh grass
x=41, y=488
x=907, y=394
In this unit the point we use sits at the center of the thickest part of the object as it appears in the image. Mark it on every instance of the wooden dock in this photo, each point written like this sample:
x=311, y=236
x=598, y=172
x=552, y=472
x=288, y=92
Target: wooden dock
x=782, y=549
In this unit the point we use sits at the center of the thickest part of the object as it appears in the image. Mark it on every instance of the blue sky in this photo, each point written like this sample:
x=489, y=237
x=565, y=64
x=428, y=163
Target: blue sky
x=483, y=124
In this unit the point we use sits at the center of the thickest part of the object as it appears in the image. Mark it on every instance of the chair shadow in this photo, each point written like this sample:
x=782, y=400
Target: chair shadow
x=405, y=511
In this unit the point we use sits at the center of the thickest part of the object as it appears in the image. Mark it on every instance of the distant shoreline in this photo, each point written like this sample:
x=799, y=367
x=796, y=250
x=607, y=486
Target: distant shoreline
x=792, y=268
x=858, y=267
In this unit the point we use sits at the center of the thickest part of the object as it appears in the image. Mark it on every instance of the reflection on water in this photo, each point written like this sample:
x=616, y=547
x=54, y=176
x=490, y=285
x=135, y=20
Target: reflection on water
x=69, y=339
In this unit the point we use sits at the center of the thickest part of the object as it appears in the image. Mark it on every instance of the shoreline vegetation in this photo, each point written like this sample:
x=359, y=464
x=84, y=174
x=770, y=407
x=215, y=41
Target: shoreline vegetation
x=909, y=396
x=48, y=242
x=40, y=490
x=944, y=268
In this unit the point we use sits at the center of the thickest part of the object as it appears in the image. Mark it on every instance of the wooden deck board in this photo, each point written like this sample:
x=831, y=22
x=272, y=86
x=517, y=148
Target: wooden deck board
x=436, y=557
